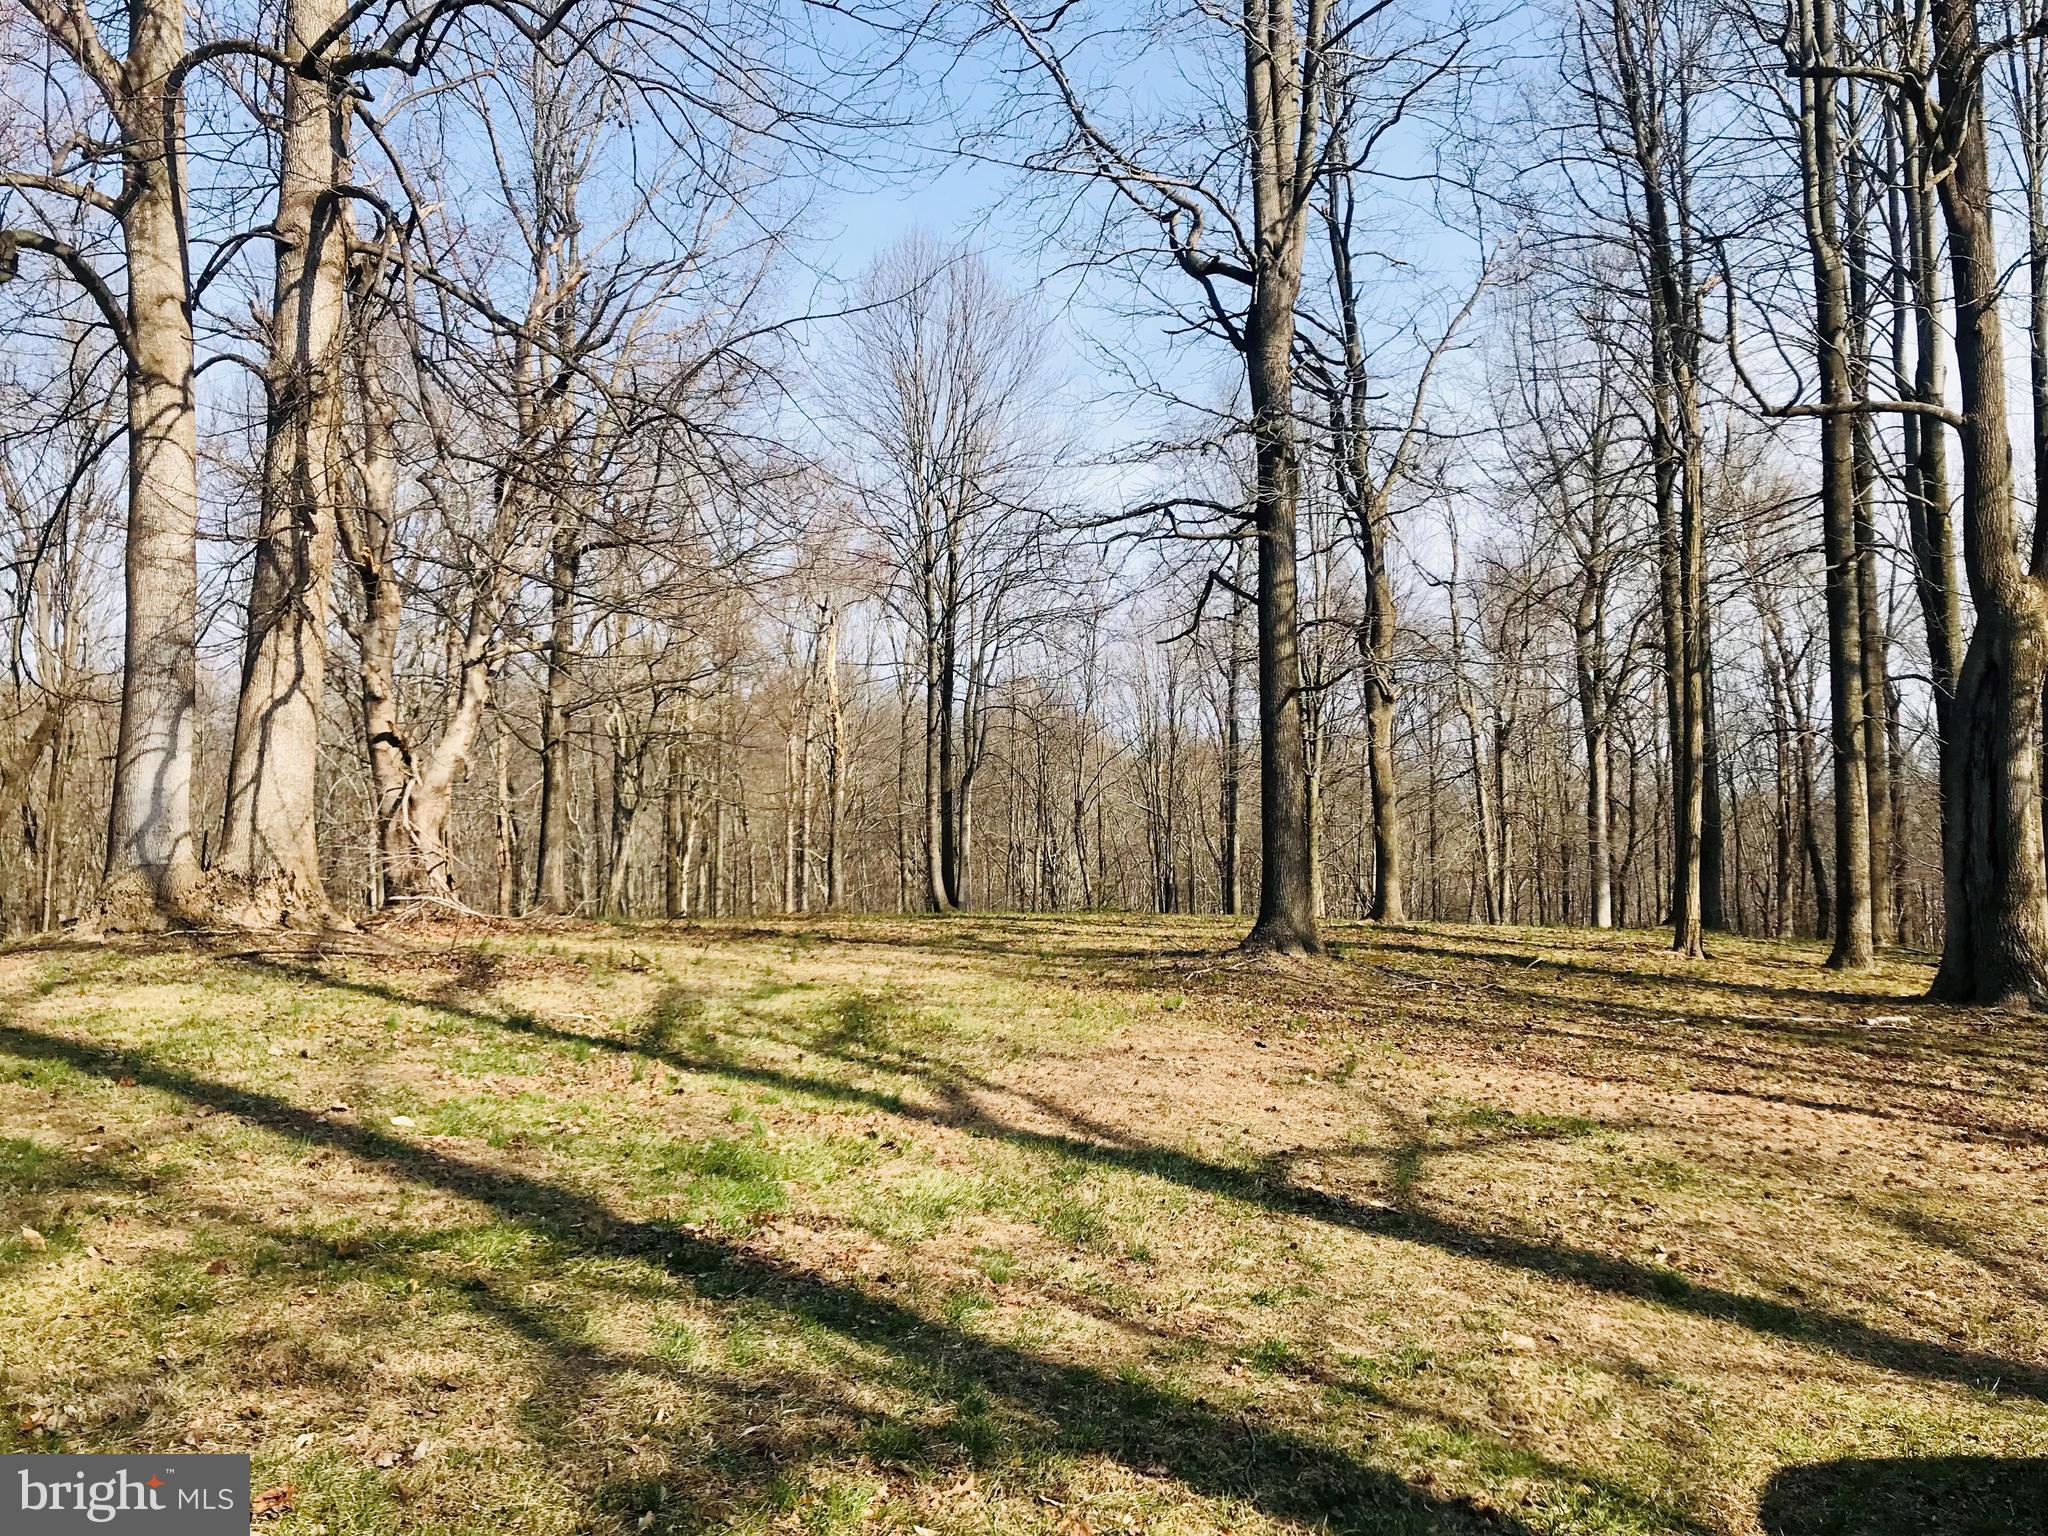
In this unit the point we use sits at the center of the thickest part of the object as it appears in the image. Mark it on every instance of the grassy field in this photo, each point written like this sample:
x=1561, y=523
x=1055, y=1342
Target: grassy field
x=1008, y=1224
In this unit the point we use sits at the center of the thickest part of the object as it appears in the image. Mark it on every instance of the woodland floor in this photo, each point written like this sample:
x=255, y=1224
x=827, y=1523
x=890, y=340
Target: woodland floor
x=1029, y=1224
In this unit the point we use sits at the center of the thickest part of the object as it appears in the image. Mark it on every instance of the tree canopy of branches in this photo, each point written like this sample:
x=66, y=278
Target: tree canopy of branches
x=448, y=460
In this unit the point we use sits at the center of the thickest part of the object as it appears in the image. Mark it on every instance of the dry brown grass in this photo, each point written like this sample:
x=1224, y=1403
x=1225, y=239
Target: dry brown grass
x=1031, y=1224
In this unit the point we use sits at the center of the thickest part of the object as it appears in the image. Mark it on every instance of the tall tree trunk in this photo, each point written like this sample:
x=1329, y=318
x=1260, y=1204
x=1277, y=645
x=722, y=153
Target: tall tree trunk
x=414, y=787
x=948, y=709
x=674, y=886
x=1929, y=518
x=1369, y=503
x=963, y=838
x=1491, y=863
x=1313, y=759
x=1389, y=898
x=2025, y=64
x=1821, y=155
x=1662, y=177
x=1713, y=799
x=508, y=831
x=1287, y=920
x=1809, y=815
x=629, y=777
x=152, y=869
x=1230, y=839
x=551, y=875
x=792, y=842
x=55, y=808
x=1280, y=115
x=269, y=862
x=903, y=800
x=1599, y=811
x=1871, y=639
x=430, y=797
x=835, y=760
x=937, y=803
x=1930, y=528
x=1501, y=735
x=1996, y=949
x=1787, y=796
x=1595, y=686
x=371, y=537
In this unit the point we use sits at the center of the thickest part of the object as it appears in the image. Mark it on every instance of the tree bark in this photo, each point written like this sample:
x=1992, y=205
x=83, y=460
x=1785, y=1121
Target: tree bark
x=551, y=874
x=1662, y=178
x=507, y=828
x=1929, y=517
x=1389, y=899
x=629, y=741
x=1277, y=107
x=1231, y=789
x=1821, y=154
x=1599, y=813
x=414, y=788
x=937, y=802
x=835, y=758
x=268, y=869
x=1871, y=639
x=1996, y=947
x=152, y=871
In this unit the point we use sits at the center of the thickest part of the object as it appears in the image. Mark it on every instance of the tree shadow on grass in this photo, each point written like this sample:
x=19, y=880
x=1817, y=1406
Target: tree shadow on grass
x=1909, y=1496
x=759, y=1426
x=1640, y=1003
x=1087, y=1141
x=999, y=938
x=1621, y=962
x=1208, y=1450
x=1646, y=1037
x=1948, y=1042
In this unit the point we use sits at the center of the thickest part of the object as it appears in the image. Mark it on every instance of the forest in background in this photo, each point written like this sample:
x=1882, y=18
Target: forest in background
x=1553, y=464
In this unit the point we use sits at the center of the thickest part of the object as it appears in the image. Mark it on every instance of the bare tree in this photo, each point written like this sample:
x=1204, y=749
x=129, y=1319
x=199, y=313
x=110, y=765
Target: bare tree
x=1577, y=461
x=950, y=489
x=1996, y=945
x=1235, y=218
x=127, y=168
x=1642, y=67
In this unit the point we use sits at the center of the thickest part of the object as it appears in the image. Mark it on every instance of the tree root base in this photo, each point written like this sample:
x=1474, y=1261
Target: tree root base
x=137, y=902
x=1281, y=943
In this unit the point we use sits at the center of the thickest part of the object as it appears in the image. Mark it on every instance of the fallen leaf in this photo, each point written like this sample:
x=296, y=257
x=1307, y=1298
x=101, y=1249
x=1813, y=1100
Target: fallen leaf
x=33, y=1238
x=271, y=1501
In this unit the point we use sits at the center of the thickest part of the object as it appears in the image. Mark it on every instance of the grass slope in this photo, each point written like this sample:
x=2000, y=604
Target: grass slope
x=1008, y=1224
